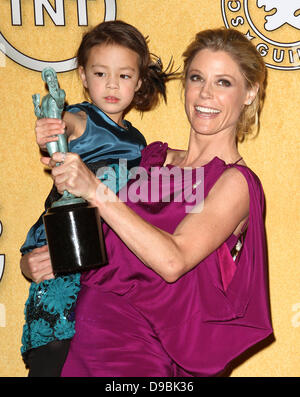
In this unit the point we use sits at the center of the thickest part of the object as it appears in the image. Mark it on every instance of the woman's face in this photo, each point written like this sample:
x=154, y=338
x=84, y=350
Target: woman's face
x=215, y=93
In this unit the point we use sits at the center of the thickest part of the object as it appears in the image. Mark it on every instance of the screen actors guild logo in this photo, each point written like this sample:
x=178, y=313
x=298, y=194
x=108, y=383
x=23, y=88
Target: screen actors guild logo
x=57, y=14
x=272, y=25
x=285, y=13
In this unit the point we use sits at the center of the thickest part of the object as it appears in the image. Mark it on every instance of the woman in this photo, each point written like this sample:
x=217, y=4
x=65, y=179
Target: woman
x=184, y=291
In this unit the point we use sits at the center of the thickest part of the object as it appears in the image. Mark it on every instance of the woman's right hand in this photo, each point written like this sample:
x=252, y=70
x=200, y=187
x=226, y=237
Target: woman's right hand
x=46, y=129
x=36, y=265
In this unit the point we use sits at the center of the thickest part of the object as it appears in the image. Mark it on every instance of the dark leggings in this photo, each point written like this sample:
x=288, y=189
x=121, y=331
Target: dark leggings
x=48, y=360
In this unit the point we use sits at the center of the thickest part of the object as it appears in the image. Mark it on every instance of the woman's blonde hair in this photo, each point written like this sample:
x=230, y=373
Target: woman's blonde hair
x=250, y=62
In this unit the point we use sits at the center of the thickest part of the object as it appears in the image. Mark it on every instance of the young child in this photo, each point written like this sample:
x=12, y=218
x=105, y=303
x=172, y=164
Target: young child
x=118, y=74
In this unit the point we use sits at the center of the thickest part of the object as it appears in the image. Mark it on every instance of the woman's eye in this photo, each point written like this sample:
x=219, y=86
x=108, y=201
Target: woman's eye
x=224, y=83
x=196, y=77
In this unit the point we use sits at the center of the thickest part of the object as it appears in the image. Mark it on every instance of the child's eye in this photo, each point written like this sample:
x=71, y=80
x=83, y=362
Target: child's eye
x=224, y=83
x=125, y=76
x=100, y=74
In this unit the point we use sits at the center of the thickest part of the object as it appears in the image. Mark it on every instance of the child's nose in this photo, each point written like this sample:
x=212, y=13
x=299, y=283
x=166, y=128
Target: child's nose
x=113, y=82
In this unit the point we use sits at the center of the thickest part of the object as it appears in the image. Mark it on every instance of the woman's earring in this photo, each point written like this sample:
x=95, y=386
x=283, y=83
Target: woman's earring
x=249, y=102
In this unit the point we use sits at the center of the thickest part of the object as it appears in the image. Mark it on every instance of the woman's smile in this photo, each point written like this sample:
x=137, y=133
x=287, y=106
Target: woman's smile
x=204, y=111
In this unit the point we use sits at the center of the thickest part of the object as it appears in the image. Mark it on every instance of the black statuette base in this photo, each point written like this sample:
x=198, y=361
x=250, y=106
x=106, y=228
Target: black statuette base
x=75, y=238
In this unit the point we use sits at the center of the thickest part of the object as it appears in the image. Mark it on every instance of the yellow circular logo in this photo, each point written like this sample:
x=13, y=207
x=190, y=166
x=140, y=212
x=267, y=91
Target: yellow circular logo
x=272, y=25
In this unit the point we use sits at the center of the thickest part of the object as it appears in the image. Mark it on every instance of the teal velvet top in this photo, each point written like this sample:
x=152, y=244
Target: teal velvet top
x=49, y=309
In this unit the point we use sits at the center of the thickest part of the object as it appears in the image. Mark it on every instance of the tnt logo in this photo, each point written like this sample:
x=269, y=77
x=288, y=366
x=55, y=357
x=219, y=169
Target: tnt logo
x=272, y=25
x=36, y=34
x=41, y=7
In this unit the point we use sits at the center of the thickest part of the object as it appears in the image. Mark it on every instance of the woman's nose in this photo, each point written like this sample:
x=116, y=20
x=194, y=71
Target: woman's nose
x=206, y=90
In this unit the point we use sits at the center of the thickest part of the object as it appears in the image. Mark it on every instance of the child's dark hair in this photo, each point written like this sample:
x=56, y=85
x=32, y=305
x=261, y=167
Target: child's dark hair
x=150, y=67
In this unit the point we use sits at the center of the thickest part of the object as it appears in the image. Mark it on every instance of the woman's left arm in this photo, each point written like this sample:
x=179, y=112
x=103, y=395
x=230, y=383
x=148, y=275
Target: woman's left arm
x=169, y=255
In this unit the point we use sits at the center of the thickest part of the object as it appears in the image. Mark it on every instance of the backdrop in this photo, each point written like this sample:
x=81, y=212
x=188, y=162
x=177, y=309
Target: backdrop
x=34, y=33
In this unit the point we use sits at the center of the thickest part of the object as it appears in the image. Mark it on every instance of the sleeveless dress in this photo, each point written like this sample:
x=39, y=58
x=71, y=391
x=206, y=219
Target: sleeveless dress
x=49, y=308
x=130, y=322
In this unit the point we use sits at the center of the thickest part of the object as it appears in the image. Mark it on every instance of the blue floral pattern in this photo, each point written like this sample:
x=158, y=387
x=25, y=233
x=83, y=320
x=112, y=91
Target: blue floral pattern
x=49, y=311
x=60, y=295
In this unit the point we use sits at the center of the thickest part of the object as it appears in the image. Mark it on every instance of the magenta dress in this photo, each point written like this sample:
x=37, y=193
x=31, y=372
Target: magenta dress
x=132, y=323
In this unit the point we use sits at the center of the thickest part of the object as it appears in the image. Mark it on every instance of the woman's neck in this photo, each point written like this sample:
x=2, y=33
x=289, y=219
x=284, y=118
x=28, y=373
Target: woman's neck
x=203, y=148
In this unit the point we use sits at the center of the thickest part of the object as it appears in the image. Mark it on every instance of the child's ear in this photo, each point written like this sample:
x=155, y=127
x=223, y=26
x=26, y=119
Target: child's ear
x=82, y=75
x=138, y=85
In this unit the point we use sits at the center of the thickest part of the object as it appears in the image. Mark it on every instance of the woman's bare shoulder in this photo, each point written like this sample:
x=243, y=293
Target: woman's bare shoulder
x=174, y=156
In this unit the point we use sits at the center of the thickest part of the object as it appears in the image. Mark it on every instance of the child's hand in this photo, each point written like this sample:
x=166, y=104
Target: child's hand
x=36, y=265
x=46, y=130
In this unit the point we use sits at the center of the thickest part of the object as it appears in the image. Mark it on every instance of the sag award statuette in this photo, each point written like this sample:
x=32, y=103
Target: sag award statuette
x=73, y=228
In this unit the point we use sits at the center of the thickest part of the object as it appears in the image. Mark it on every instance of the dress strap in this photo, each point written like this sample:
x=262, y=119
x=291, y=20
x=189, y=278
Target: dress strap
x=241, y=158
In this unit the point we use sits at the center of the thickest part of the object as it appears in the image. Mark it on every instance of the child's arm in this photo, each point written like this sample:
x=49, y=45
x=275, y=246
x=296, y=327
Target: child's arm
x=46, y=129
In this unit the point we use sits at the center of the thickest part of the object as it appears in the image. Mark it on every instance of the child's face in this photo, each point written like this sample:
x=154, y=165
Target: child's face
x=111, y=77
